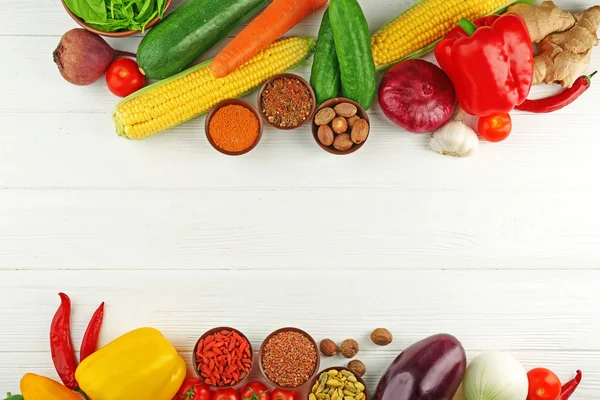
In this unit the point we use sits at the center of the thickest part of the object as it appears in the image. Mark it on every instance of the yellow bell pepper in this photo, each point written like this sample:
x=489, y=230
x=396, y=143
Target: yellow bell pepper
x=140, y=365
x=35, y=387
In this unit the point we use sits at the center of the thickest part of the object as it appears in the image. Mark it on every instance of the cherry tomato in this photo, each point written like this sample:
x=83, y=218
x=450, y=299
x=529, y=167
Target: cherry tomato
x=280, y=394
x=124, y=77
x=225, y=394
x=256, y=391
x=193, y=389
x=495, y=127
x=543, y=385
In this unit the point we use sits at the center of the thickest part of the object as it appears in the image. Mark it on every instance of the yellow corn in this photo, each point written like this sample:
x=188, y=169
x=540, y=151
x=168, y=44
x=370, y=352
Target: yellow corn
x=423, y=24
x=193, y=92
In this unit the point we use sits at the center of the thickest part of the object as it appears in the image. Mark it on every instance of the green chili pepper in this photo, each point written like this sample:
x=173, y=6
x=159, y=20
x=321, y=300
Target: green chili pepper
x=15, y=397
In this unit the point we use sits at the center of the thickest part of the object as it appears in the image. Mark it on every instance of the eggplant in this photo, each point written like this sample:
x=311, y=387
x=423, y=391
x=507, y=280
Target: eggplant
x=431, y=369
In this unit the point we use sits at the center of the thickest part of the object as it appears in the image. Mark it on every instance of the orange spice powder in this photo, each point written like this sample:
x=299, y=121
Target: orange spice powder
x=233, y=128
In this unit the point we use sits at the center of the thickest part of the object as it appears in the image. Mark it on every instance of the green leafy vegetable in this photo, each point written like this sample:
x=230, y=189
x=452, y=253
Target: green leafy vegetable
x=117, y=15
x=88, y=10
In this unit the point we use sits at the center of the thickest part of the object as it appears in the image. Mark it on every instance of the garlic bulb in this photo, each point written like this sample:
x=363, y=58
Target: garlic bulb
x=455, y=139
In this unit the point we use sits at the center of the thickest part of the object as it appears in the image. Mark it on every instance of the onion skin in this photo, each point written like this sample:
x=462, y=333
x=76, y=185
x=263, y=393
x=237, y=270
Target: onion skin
x=431, y=369
x=417, y=95
x=83, y=57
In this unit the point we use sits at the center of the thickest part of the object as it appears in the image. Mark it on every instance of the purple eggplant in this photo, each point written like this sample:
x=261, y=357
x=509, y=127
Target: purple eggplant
x=431, y=369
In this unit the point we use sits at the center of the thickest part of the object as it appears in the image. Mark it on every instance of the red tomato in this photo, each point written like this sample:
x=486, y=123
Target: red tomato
x=495, y=127
x=124, y=77
x=193, y=389
x=280, y=394
x=543, y=385
x=225, y=394
x=256, y=391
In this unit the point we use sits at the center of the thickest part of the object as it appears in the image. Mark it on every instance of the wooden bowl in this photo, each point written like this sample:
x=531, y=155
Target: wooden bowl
x=237, y=102
x=358, y=378
x=262, y=349
x=213, y=331
x=111, y=34
x=332, y=103
x=289, y=76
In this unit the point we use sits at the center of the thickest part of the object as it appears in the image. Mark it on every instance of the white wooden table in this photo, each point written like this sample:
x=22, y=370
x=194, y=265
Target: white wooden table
x=501, y=250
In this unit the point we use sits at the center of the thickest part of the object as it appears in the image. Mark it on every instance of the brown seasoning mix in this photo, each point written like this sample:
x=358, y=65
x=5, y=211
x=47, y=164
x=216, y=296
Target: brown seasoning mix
x=289, y=359
x=286, y=102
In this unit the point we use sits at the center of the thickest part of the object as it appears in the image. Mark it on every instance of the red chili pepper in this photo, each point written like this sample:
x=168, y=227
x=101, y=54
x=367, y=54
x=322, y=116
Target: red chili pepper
x=89, y=344
x=569, y=387
x=61, y=345
x=490, y=63
x=562, y=99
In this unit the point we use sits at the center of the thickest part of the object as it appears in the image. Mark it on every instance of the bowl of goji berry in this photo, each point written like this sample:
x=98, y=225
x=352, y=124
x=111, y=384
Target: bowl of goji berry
x=289, y=358
x=223, y=357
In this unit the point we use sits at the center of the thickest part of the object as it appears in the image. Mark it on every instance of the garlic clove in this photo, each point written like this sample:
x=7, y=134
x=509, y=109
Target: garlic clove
x=455, y=139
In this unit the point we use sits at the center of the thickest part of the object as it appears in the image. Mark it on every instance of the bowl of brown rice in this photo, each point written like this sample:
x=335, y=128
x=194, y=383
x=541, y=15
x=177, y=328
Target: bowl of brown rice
x=289, y=358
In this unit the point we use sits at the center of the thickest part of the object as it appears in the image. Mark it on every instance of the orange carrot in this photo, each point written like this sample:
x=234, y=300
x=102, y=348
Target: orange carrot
x=275, y=20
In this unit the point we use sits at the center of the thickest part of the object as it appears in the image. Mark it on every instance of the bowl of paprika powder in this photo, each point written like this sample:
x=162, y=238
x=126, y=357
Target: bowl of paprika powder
x=233, y=127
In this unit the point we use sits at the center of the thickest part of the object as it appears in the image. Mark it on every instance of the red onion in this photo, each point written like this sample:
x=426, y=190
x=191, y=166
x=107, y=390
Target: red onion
x=417, y=95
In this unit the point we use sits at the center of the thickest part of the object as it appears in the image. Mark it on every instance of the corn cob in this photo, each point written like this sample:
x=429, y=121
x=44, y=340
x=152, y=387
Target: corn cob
x=416, y=31
x=193, y=92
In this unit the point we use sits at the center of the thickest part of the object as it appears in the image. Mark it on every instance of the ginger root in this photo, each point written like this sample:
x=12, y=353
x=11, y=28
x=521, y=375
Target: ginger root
x=566, y=41
x=544, y=19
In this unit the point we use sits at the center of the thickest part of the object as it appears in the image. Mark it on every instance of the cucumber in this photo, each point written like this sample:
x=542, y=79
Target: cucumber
x=325, y=74
x=353, y=47
x=190, y=31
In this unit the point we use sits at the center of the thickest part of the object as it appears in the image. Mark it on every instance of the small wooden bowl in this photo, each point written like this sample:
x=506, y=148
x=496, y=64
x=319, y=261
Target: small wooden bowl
x=358, y=378
x=289, y=76
x=111, y=34
x=262, y=349
x=229, y=102
x=332, y=103
x=211, y=332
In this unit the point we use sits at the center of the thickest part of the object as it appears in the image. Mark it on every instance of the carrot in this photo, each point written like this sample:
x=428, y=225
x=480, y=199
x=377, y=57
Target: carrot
x=275, y=20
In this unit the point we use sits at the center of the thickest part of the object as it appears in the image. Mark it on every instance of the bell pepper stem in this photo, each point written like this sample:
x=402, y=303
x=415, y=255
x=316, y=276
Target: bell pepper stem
x=467, y=26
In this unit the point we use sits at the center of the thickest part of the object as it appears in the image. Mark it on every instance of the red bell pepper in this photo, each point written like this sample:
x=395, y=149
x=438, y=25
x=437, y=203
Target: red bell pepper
x=490, y=63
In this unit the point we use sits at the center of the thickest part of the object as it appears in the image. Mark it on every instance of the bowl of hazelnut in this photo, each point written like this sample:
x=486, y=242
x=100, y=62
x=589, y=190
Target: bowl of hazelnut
x=340, y=126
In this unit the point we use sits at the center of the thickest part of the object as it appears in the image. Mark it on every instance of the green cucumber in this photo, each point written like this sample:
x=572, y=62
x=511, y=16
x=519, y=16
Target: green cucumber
x=325, y=74
x=190, y=31
x=353, y=47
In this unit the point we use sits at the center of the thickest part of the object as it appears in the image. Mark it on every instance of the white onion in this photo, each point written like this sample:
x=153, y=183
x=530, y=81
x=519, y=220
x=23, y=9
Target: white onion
x=495, y=376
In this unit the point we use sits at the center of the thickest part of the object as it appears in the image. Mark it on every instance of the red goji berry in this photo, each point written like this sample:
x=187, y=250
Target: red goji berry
x=223, y=358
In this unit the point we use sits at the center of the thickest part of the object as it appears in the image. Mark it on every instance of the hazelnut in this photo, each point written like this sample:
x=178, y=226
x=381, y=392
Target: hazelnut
x=352, y=120
x=349, y=348
x=324, y=116
x=328, y=347
x=325, y=135
x=342, y=142
x=358, y=367
x=339, y=125
x=381, y=337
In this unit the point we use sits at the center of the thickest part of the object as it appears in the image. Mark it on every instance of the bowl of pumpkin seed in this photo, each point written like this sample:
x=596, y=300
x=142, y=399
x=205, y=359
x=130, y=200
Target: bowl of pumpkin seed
x=337, y=383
